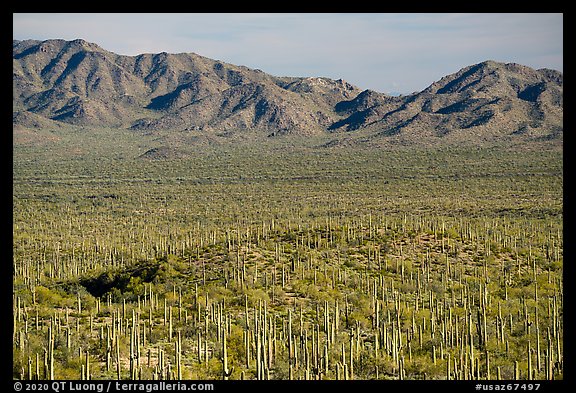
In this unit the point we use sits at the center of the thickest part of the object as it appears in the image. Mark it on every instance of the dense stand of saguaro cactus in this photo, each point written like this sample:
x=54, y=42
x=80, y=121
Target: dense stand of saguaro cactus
x=286, y=264
x=369, y=297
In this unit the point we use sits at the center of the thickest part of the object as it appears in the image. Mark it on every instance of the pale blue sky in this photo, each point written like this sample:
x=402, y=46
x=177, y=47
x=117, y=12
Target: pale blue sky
x=384, y=52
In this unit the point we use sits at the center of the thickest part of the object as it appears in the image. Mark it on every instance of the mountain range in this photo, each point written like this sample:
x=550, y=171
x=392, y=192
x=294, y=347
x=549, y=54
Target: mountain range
x=76, y=83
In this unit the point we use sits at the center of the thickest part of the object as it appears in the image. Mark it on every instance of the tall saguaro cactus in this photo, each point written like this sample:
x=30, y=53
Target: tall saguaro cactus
x=226, y=372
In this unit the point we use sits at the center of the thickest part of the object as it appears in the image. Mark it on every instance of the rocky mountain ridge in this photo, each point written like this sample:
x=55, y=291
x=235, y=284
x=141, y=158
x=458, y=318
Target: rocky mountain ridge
x=58, y=82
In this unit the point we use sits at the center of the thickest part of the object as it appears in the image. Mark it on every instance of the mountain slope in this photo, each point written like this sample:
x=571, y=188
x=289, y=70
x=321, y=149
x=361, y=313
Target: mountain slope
x=489, y=99
x=255, y=105
x=79, y=83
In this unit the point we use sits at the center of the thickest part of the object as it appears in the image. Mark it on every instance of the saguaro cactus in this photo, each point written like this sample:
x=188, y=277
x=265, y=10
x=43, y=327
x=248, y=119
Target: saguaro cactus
x=226, y=373
x=178, y=356
x=51, y=351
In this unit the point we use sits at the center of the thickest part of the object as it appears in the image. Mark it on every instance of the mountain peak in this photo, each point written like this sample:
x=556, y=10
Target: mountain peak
x=83, y=44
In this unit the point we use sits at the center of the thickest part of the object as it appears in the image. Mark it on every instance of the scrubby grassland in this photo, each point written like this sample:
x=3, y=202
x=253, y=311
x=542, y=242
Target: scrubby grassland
x=279, y=262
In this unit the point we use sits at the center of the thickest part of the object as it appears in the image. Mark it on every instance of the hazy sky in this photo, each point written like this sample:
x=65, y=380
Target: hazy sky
x=384, y=52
